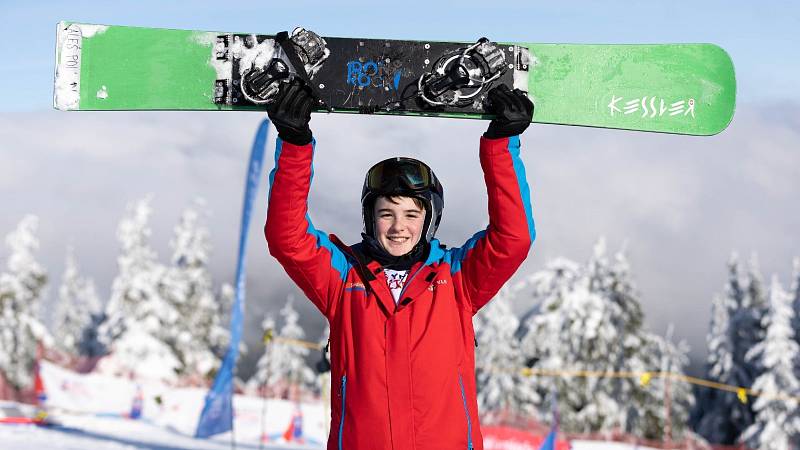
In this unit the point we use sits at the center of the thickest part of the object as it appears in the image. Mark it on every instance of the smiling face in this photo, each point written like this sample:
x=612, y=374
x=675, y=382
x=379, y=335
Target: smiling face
x=398, y=224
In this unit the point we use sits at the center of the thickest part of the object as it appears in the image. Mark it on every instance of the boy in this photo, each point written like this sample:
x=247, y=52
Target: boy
x=399, y=304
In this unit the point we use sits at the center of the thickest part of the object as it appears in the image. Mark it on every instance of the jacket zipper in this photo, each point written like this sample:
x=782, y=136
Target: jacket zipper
x=466, y=412
x=408, y=282
x=343, y=393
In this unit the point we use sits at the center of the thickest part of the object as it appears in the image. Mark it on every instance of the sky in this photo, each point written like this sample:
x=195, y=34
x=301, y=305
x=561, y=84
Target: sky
x=678, y=205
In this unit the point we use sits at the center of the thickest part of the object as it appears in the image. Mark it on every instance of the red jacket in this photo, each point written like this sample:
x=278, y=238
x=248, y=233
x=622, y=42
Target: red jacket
x=403, y=375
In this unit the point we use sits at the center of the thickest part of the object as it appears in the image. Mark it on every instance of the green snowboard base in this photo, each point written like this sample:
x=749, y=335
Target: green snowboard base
x=671, y=88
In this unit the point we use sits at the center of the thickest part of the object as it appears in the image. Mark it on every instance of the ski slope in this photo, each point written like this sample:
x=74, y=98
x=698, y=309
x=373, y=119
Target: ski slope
x=91, y=412
x=106, y=433
x=116, y=433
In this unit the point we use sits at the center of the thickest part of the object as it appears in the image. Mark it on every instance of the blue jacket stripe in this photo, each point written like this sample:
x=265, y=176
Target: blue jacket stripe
x=522, y=181
x=455, y=256
x=436, y=253
x=278, y=148
x=466, y=411
x=338, y=259
x=341, y=420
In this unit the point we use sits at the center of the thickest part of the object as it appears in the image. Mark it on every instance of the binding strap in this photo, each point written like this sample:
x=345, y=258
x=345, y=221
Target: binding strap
x=283, y=40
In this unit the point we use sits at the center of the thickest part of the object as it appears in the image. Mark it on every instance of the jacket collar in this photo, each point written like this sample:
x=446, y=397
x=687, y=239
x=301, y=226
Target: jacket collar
x=371, y=273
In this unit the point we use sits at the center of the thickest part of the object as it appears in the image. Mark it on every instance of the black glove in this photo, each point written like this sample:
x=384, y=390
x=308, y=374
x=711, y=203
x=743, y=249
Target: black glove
x=291, y=112
x=513, y=112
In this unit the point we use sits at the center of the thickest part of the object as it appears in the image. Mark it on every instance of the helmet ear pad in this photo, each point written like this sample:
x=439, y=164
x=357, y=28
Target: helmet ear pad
x=368, y=214
x=433, y=214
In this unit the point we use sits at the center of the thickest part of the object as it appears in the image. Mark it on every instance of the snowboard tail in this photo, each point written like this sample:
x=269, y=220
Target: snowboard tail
x=672, y=88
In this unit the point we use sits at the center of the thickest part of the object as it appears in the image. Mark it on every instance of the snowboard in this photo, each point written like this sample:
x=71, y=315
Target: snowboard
x=672, y=88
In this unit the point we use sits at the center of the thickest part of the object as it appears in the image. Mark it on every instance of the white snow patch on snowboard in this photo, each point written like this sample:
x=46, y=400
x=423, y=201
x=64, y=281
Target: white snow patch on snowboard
x=67, y=88
x=92, y=30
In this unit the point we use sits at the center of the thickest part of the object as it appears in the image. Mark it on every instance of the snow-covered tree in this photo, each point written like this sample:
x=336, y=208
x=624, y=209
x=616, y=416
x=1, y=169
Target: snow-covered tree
x=723, y=415
x=323, y=368
x=225, y=299
x=21, y=285
x=501, y=385
x=322, y=364
x=198, y=335
x=649, y=419
x=77, y=304
x=758, y=300
x=139, y=320
x=91, y=343
x=720, y=358
x=591, y=321
x=588, y=318
x=794, y=294
x=262, y=375
x=538, y=287
x=286, y=366
x=709, y=417
x=137, y=281
x=777, y=422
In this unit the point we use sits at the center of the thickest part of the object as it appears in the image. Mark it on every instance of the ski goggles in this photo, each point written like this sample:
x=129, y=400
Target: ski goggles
x=400, y=173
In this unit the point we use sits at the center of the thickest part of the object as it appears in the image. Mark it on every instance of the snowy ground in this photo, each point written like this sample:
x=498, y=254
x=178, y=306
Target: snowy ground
x=89, y=412
x=106, y=433
x=109, y=433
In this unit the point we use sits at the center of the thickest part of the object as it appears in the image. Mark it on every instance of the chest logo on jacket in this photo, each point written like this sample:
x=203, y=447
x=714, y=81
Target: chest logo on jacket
x=436, y=284
x=354, y=286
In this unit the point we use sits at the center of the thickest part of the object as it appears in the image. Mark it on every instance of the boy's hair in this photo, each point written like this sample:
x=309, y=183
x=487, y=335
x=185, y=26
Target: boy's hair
x=395, y=199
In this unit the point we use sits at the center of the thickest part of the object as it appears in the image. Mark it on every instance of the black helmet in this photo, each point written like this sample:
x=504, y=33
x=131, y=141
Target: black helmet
x=406, y=177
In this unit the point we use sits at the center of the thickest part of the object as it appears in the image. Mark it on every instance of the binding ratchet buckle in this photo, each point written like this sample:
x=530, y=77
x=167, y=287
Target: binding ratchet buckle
x=305, y=52
x=457, y=78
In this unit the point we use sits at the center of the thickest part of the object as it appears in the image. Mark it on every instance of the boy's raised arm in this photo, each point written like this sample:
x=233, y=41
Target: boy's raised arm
x=308, y=256
x=492, y=256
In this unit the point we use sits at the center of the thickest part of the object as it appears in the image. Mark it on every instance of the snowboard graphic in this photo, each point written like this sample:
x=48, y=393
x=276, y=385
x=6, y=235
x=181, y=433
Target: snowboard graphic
x=672, y=88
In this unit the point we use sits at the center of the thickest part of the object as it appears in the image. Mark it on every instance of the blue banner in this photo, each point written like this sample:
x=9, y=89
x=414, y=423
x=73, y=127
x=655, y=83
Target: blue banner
x=550, y=441
x=217, y=415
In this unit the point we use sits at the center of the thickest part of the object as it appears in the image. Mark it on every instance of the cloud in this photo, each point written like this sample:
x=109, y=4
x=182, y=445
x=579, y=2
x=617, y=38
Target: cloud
x=681, y=204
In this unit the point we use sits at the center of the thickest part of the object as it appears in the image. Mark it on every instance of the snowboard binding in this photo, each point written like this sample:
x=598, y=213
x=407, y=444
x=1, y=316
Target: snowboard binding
x=458, y=77
x=306, y=52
